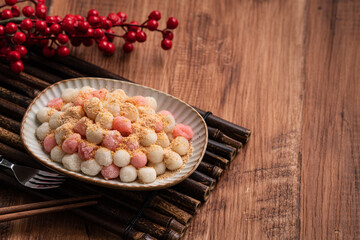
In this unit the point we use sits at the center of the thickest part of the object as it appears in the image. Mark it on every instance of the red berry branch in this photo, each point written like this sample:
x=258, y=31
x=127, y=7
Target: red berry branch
x=52, y=33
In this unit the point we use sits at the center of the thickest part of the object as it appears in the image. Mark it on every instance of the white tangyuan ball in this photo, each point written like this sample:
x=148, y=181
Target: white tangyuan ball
x=162, y=140
x=180, y=145
x=94, y=134
x=44, y=114
x=114, y=109
x=148, y=137
x=69, y=94
x=76, y=112
x=66, y=106
x=90, y=167
x=43, y=130
x=146, y=110
x=169, y=123
x=160, y=167
x=56, y=120
x=62, y=131
x=151, y=102
x=72, y=162
x=57, y=154
x=92, y=107
x=128, y=174
x=105, y=119
x=173, y=160
x=87, y=89
x=121, y=158
x=103, y=156
x=129, y=111
x=155, y=153
x=147, y=174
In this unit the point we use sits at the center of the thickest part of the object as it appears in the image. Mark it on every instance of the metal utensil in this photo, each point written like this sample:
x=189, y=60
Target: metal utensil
x=33, y=178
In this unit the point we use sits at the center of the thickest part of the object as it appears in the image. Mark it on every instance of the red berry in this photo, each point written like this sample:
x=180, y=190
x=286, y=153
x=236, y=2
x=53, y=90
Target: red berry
x=130, y=36
x=128, y=47
x=2, y=30
x=106, y=24
x=21, y=49
x=26, y=24
x=10, y=28
x=83, y=26
x=5, y=51
x=172, y=23
x=90, y=32
x=58, y=19
x=10, y=2
x=47, y=31
x=141, y=36
x=156, y=15
x=152, y=25
x=93, y=20
x=98, y=33
x=19, y=38
x=110, y=49
x=75, y=42
x=109, y=36
x=102, y=18
x=43, y=42
x=113, y=17
x=41, y=11
x=17, y=66
x=166, y=44
x=133, y=28
x=122, y=16
x=79, y=18
x=14, y=56
x=93, y=12
x=48, y=51
x=63, y=51
x=168, y=35
x=102, y=45
x=40, y=25
x=62, y=38
x=88, y=42
x=104, y=38
x=68, y=24
x=15, y=11
x=55, y=29
x=6, y=14
x=28, y=11
x=50, y=19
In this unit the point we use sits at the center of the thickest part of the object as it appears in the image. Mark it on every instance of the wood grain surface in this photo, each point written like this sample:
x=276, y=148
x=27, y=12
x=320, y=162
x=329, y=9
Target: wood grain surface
x=287, y=70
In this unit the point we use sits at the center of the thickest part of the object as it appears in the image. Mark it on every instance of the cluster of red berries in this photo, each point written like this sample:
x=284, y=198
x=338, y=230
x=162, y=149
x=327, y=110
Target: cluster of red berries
x=52, y=33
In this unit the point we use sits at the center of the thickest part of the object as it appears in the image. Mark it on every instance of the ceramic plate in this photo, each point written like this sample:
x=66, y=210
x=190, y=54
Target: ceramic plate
x=182, y=112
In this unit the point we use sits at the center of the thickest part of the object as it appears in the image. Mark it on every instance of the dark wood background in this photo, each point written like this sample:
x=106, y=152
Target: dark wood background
x=288, y=70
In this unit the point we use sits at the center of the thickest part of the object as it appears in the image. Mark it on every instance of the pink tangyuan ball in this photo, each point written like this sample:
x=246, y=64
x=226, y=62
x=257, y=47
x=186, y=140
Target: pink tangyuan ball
x=86, y=151
x=81, y=98
x=110, y=172
x=49, y=142
x=139, y=100
x=165, y=112
x=158, y=126
x=80, y=128
x=184, y=131
x=138, y=160
x=132, y=145
x=112, y=139
x=70, y=145
x=123, y=125
x=100, y=94
x=56, y=103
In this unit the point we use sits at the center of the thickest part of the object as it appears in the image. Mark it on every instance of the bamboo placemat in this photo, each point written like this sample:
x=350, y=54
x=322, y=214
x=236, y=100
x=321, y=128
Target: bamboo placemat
x=162, y=214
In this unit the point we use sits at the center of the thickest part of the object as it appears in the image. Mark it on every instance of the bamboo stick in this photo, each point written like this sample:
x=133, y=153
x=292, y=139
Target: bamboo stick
x=210, y=170
x=217, y=135
x=15, y=97
x=216, y=160
x=10, y=124
x=14, y=111
x=184, y=201
x=193, y=189
x=29, y=91
x=220, y=149
x=203, y=179
x=11, y=139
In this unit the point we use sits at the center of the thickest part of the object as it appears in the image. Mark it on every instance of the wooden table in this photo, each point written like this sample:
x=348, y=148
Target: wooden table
x=288, y=70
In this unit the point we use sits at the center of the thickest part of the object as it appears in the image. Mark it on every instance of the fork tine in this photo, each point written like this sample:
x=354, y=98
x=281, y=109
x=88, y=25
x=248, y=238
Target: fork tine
x=36, y=186
x=50, y=174
x=39, y=182
x=50, y=179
